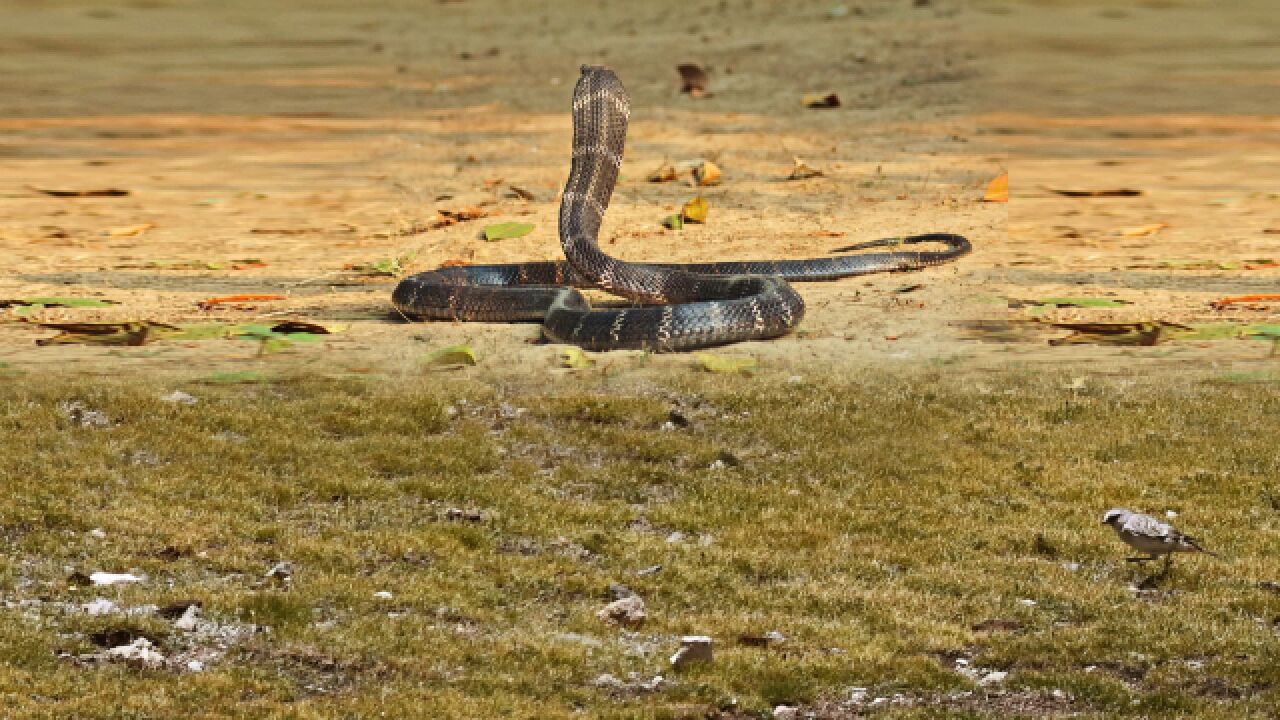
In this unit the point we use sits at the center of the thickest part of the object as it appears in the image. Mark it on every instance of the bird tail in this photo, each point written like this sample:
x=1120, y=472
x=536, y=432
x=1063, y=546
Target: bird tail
x=1196, y=544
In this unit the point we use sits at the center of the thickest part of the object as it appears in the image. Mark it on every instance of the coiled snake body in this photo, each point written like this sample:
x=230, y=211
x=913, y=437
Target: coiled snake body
x=680, y=307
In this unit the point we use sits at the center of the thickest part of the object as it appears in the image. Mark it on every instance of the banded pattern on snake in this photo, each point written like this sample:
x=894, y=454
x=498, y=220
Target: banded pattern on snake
x=678, y=307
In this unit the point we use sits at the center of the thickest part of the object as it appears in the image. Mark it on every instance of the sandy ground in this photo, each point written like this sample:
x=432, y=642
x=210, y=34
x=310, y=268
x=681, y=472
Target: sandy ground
x=318, y=136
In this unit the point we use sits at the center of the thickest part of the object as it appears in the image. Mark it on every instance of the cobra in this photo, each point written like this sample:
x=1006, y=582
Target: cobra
x=675, y=307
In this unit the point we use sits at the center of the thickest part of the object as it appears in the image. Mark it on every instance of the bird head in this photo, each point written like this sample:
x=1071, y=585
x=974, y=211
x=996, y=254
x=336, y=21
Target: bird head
x=1113, y=515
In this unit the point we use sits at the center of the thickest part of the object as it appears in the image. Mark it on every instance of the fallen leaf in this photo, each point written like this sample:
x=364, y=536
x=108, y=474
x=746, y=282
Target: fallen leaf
x=109, y=192
x=64, y=302
x=1124, y=333
x=452, y=217
x=706, y=173
x=695, y=211
x=802, y=171
x=818, y=100
x=247, y=264
x=521, y=193
x=1261, y=265
x=998, y=190
x=1272, y=231
x=673, y=222
x=575, y=358
x=452, y=357
x=130, y=230
x=1144, y=230
x=507, y=230
x=828, y=233
x=693, y=79
x=1223, y=302
x=210, y=302
x=118, y=333
x=302, y=327
x=666, y=172
x=1122, y=192
x=454, y=263
x=1079, y=302
x=284, y=231
x=725, y=364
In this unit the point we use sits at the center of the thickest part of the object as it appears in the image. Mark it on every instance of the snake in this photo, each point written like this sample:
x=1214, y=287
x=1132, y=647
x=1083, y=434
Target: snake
x=673, y=307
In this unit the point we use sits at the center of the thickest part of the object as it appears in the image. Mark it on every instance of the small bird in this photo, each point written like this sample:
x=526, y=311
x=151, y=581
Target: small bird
x=1147, y=534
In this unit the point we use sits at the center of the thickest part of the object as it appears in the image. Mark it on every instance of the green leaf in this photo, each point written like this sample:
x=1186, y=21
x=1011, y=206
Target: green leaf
x=507, y=230
x=1080, y=302
x=575, y=358
x=65, y=301
x=454, y=356
x=725, y=364
x=1264, y=331
x=673, y=222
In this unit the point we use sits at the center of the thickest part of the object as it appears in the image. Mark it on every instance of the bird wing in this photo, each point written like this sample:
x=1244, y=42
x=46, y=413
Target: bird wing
x=1149, y=527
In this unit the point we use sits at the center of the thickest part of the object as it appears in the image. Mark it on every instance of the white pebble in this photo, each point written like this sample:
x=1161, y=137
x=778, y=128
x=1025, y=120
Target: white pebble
x=382, y=595
x=992, y=678
x=106, y=578
x=100, y=606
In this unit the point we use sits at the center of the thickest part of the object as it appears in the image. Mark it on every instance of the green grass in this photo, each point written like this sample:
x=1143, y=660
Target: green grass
x=872, y=522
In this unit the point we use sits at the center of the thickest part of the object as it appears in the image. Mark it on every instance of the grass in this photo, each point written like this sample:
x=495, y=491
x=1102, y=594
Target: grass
x=875, y=523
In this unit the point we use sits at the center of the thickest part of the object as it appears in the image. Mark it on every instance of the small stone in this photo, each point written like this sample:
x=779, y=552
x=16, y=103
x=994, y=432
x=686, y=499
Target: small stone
x=382, y=595
x=676, y=537
x=1071, y=566
x=651, y=570
x=106, y=578
x=857, y=695
x=618, y=591
x=180, y=398
x=693, y=649
x=1028, y=602
x=627, y=612
x=139, y=652
x=281, y=573
x=606, y=680
x=1171, y=514
x=100, y=606
x=993, y=678
x=188, y=620
x=98, y=533
x=195, y=666
x=785, y=712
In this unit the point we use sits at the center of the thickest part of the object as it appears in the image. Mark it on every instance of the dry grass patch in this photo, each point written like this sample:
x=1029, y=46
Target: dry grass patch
x=906, y=535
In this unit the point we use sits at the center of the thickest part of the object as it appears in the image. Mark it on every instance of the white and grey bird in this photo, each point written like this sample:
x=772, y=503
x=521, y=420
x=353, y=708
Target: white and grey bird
x=1147, y=534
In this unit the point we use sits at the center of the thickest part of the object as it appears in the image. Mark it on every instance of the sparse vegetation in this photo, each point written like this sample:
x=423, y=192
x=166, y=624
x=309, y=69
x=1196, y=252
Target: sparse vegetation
x=895, y=530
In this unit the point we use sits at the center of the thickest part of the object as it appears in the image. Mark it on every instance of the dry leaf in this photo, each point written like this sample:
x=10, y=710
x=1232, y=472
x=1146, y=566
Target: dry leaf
x=801, y=171
x=1122, y=192
x=1144, y=230
x=521, y=193
x=123, y=333
x=998, y=190
x=206, y=304
x=818, y=100
x=706, y=173
x=693, y=79
x=452, y=217
x=109, y=192
x=666, y=172
x=1131, y=333
x=130, y=230
x=695, y=211
x=828, y=233
x=1221, y=303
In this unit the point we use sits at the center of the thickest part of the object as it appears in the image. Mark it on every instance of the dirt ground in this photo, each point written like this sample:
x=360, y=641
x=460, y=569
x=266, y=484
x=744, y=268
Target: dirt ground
x=320, y=136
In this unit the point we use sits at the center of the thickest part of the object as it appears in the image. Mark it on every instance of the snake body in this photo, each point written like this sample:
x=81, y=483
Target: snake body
x=678, y=307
